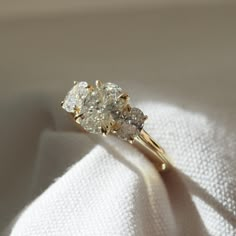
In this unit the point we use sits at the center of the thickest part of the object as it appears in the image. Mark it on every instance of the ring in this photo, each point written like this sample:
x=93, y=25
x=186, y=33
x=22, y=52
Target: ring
x=105, y=109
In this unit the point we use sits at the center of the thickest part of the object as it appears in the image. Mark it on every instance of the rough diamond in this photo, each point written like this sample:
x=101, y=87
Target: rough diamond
x=75, y=96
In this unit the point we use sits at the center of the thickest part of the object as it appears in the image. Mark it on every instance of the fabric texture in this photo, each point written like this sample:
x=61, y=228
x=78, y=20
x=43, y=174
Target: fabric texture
x=88, y=185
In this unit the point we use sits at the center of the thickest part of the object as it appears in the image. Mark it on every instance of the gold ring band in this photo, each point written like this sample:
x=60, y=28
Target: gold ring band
x=152, y=150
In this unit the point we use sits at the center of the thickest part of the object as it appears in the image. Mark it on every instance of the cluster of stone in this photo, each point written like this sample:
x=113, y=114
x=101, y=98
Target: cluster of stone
x=104, y=109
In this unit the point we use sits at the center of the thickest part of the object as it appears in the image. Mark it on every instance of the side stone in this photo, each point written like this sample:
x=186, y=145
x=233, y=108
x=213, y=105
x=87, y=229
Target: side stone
x=131, y=124
x=74, y=98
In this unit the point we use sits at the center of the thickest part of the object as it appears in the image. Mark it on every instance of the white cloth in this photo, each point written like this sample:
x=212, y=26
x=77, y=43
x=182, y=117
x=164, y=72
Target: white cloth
x=114, y=190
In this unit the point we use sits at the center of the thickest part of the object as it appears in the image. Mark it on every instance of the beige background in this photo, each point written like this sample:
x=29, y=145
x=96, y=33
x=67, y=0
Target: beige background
x=183, y=55
x=25, y=8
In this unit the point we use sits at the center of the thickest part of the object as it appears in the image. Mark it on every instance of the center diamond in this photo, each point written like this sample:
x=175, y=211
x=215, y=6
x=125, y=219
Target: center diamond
x=97, y=114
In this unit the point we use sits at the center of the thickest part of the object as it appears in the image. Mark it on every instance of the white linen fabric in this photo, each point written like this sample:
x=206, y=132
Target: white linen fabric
x=86, y=185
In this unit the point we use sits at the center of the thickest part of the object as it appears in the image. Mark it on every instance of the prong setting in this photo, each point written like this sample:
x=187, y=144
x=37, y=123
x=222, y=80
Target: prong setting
x=104, y=132
x=124, y=96
x=145, y=117
x=131, y=140
x=90, y=88
x=99, y=84
x=128, y=108
x=77, y=114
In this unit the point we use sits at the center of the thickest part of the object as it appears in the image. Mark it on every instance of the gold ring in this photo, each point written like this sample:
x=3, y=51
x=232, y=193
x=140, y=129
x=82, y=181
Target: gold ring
x=104, y=108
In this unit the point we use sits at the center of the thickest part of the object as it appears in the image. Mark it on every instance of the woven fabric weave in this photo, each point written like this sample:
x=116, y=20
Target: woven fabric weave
x=112, y=189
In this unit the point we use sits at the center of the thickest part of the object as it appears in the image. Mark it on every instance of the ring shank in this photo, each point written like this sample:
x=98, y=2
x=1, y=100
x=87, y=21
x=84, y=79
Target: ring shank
x=153, y=151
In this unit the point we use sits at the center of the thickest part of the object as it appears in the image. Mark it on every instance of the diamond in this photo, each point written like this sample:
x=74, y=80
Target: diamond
x=127, y=131
x=98, y=108
x=131, y=124
x=75, y=96
x=135, y=117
